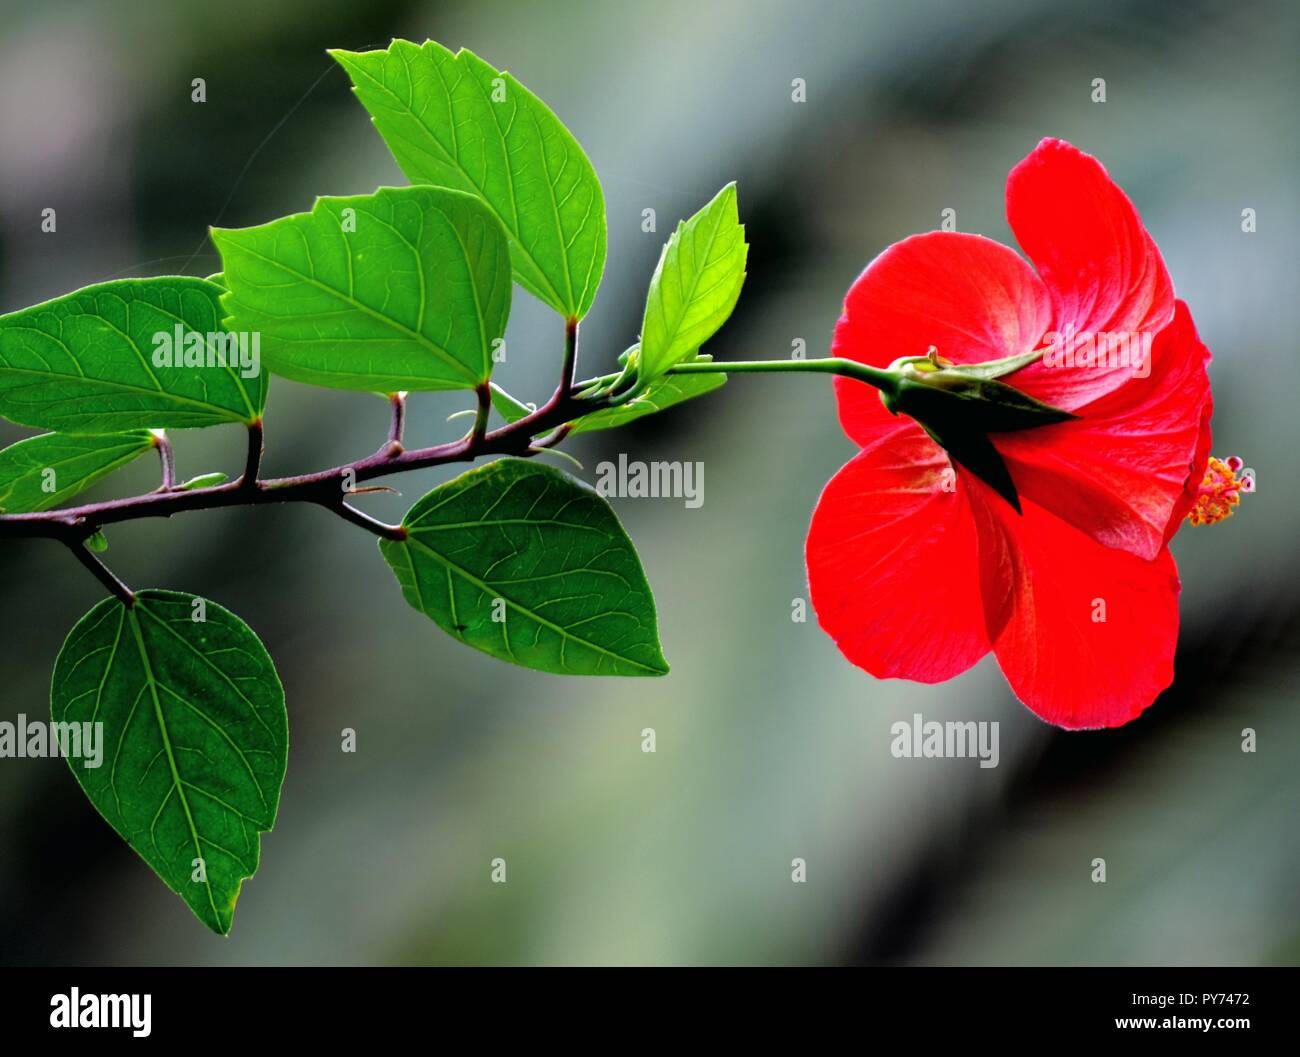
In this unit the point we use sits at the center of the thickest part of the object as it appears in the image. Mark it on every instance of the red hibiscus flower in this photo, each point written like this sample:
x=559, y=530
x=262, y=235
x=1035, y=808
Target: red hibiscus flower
x=917, y=567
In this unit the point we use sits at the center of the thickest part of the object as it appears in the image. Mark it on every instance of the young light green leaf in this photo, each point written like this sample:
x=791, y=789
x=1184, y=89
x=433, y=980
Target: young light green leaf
x=660, y=394
x=455, y=121
x=507, y=406
x=695, y=286
x=194, y=739
x=128, y=354
x=204, y=480
x=404, y=289
x=97, y=542
x=41, y=472
x=523, y=562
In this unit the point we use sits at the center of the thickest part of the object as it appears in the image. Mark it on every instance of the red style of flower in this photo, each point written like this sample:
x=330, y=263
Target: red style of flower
x=917, y=568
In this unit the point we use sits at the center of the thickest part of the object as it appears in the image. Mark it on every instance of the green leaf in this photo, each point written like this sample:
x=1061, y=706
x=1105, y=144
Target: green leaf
x=404, y=289
x=204, y=480
x=660, y=394
x=523, y=562
x=100, y=360
x=41, y=472
x=455, y=121
x=695, y=286
x=507, y=406
x=195, y=738
x=97, y=542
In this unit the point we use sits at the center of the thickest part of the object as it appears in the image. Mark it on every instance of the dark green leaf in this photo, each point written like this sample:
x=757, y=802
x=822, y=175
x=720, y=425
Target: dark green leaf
x=41, y=472
x=524, y=563
x=405, y=289
x=195, y=738
x=101, y=360
x=454, y=121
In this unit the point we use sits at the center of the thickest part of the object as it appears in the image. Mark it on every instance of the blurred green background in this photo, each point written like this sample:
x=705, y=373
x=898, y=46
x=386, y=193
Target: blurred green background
x=770, y=746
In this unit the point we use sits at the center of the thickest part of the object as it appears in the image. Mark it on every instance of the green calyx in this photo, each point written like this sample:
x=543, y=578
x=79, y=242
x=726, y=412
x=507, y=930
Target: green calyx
x=959, y=406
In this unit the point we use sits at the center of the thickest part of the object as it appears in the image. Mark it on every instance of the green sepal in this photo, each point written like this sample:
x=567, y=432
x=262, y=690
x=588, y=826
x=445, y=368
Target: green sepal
x=960, y=411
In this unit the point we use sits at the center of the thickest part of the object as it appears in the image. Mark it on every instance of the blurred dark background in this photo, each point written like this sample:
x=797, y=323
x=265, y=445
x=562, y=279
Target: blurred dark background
x=770, y=746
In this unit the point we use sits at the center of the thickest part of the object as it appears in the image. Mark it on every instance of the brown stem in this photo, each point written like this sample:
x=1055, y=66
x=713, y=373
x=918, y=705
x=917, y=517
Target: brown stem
x=253, y=463
x=569, y=370
x=323, y=488
x=555, y=438
x=103, y=574
x=484, y=393
x=74, y=525
x=354, y=516
x=397, y=430
x=167, y=459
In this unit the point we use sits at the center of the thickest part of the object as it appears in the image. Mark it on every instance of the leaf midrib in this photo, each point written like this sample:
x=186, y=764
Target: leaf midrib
x=226, y=414
x=177, y=782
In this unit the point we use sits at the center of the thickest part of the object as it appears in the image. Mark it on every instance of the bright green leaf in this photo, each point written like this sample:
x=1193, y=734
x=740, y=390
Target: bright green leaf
x=405, y=289
x=695, y=286
x=455, y=121
x=105, y=359
x=41, y=472
x=97, y=542
x=204, y=480
x=529, y=565
x=507, y=406
x=194, y=738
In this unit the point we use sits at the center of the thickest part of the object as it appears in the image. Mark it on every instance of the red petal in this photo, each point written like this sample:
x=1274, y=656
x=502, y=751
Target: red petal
x=971, y=298
x=1120, y=471
x=892, y=563
x=1101, y=268
x=1043, y=584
